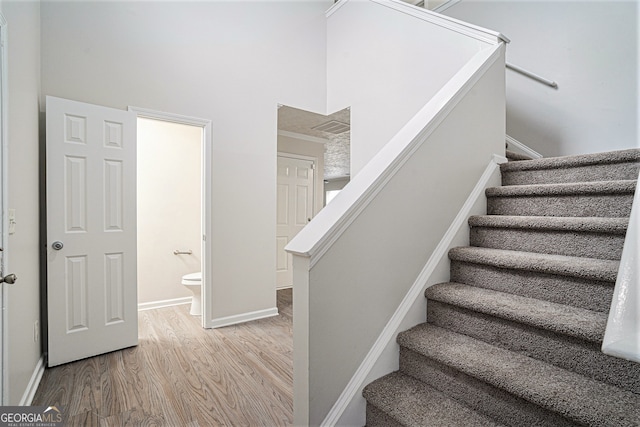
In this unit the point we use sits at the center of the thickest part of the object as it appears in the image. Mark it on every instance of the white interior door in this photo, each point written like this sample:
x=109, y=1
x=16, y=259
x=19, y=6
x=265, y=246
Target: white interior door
x=295, y=197
x=91, y=230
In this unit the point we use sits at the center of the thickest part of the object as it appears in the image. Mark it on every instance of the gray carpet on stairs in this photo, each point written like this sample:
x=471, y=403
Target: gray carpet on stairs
x=514, y=338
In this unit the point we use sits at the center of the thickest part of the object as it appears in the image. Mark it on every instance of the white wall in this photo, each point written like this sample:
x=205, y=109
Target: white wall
x=230, y=62
x=590, y=48
x=382, y=83
x=169, y=207
x=23, y=20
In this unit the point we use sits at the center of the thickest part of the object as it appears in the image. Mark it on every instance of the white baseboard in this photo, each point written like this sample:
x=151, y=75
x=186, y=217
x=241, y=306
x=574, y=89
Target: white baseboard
x=34, y=382
x=163, y=303
x=242, y=318
x=520, y=147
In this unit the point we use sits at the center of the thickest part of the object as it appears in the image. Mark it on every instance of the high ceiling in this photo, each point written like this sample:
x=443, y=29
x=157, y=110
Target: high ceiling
x=336, y=157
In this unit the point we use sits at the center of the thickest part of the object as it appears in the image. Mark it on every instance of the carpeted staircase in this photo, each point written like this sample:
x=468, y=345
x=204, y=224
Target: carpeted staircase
x=514, y=338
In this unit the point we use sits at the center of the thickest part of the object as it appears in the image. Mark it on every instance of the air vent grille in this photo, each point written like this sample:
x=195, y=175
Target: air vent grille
x=333, y=126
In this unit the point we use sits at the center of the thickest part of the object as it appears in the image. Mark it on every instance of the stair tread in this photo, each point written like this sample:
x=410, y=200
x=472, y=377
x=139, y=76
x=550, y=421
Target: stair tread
x=588, y=268
x=567, y=393
x=414, y=403
x=621, y=156
x=555, y=223
x=514, y=156
x=574, y=188
x=567, y=320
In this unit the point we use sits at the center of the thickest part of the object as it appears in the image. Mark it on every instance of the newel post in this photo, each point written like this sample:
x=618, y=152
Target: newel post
x=301, y=266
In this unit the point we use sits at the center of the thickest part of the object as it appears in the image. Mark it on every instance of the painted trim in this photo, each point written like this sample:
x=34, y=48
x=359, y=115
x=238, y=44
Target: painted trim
x=4, y=205
x=445, y=6
x=390, y=331
x=317, y=237
x=335, y=7
x=520, y=146
x=456, y=25
x=242, y=318
x=163, y=303
x=168, y=117
x=303, y=137
x=34, y=382
x=207, y=227
x=622, y=333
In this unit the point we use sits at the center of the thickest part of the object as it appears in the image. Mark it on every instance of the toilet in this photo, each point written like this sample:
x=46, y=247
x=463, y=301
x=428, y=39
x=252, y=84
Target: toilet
x=193, y=282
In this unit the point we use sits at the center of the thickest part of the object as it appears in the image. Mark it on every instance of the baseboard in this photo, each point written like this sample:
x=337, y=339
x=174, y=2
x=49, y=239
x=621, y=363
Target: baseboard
x=382, y=358
x=242, y=318
x=284, y=287
x=34, y=382
x=520, y=147
x=163, y=303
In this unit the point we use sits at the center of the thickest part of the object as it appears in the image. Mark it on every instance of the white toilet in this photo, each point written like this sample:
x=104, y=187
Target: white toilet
x=193, y=282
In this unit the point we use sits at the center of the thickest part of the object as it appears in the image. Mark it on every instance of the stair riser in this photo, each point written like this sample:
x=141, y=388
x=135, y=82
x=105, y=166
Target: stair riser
x=478, y=395
x=569, y=243
x=600, y=205
x=602, y=172
x=567, y=352
x=377, y=418
x=583, y=293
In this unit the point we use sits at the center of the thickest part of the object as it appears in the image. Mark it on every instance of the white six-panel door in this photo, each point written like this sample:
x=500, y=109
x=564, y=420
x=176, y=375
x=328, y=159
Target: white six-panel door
x=91, y=230
x=295, y=196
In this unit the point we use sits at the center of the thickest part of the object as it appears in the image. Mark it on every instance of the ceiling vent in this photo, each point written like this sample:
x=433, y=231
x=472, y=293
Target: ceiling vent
x=333, y=126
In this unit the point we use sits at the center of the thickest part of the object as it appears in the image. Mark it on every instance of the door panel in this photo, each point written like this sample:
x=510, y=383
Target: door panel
x=295, y=194
x=91, y=211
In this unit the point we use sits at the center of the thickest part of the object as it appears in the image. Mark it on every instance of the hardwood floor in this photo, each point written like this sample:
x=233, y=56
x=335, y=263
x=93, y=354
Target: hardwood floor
x=183, y=375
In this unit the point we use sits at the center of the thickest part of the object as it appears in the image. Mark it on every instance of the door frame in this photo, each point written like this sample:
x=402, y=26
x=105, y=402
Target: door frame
x=4, y=203
x=206, y=226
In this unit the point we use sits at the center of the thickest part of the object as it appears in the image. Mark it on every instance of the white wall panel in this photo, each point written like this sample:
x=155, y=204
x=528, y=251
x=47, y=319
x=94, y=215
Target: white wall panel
x=23, y=23
x=76, y=290
x=75, y=129
x=231, y=62
x=114, y=288
x=386, y=66
x=590, y=48
x=75, y=194
x=113, y=195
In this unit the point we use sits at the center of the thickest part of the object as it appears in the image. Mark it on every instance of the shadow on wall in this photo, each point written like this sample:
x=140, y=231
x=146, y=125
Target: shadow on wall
x=544, y=136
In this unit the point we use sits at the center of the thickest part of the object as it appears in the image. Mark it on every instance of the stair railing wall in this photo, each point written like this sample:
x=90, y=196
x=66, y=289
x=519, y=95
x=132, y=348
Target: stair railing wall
x=356, y=261
x=622, y=334
x=385, y=60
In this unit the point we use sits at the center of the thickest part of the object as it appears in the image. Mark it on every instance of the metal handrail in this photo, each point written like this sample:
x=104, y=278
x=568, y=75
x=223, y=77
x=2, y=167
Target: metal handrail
x=534, y=76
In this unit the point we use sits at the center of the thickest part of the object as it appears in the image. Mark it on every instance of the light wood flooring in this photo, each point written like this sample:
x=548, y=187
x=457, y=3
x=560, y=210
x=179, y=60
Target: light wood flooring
x=183, y=375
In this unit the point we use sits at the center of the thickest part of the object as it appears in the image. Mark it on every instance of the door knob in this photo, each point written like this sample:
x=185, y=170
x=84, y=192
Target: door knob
x=9, y=278
x=57, y=245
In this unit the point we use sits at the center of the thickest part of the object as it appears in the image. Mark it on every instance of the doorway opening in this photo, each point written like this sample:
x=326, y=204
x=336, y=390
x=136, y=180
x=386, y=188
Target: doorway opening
x=313, y=157
x=173, y=169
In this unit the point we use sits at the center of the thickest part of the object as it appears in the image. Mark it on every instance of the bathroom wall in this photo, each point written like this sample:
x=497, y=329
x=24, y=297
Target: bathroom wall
x=169, y=200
